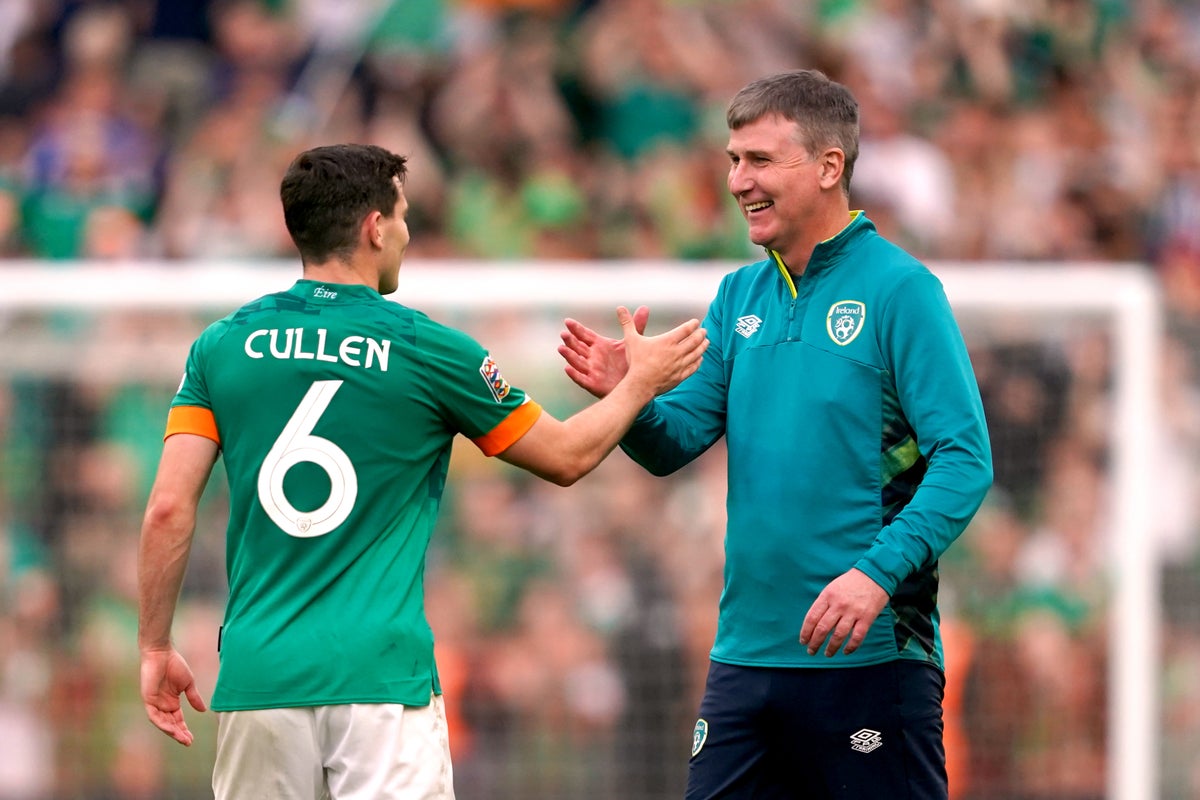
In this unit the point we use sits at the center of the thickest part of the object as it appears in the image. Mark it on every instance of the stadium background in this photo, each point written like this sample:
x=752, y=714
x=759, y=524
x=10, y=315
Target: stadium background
x=573, y=625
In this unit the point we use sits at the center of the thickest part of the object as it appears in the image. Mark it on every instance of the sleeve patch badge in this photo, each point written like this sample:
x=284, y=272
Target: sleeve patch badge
x=494, y=380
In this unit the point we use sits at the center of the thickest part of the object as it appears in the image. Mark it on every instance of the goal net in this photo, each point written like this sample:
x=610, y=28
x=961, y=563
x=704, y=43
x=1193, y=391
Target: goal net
x=573, y=625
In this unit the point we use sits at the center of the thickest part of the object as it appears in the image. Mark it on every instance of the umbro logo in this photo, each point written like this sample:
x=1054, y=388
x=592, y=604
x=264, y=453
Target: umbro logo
x=866, y=740
x=747, y=325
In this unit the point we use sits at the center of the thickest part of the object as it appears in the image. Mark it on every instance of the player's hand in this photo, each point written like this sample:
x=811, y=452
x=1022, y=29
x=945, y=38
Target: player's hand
x=165, y=676
x=597, y=363
x=843, y=612
x=659, y=363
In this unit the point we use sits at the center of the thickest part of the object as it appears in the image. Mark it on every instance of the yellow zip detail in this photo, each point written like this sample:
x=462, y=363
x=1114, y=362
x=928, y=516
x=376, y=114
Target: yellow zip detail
x=787, y=276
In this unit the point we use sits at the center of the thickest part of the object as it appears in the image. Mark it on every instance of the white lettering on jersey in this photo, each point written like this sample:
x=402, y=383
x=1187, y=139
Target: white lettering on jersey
x=289, y=343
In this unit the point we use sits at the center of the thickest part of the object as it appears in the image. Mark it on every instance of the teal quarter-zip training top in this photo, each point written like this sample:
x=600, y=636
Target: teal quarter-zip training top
x=855, y=438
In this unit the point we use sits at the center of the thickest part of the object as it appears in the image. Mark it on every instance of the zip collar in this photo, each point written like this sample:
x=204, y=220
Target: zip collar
x=828, y=252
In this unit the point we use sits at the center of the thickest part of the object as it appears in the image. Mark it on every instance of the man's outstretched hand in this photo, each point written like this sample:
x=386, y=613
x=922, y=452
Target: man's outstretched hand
x=658, y=363
x=597, y=363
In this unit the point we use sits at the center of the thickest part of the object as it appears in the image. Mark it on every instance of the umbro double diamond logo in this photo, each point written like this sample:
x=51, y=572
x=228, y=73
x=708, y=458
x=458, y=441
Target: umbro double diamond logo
x=747, y=325
x=866, y=740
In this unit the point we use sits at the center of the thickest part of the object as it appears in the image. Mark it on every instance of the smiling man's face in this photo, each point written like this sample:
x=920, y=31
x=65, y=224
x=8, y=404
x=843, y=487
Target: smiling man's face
x=775, y=180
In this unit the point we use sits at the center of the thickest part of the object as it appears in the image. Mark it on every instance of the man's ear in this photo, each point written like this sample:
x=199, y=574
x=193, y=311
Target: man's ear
x=833, y=163
x=371, y=233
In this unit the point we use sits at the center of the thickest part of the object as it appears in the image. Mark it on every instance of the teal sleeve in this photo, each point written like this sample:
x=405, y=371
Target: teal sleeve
x=679, y=426
x=939, y=396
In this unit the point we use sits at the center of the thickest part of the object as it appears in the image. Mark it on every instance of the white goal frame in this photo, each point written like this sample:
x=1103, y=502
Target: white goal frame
x=1125, y=293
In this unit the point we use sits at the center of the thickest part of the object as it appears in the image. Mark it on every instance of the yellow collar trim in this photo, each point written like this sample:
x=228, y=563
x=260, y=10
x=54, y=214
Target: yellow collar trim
x=783, y=270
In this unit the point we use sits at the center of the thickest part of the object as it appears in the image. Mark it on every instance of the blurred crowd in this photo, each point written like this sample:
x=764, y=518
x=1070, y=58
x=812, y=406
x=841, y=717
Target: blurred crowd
x=1031, y=129
x=573, y=625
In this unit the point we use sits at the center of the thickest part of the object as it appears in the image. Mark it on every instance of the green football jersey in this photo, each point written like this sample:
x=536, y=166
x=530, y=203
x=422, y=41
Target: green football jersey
x=335, y=410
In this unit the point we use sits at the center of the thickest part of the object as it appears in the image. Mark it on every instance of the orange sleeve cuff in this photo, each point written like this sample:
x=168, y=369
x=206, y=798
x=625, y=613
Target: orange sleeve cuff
x=192, y=419
x=513, y=427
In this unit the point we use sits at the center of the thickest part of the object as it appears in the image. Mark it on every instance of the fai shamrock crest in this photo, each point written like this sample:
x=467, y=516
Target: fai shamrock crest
x=845, y=320
x=699, y=735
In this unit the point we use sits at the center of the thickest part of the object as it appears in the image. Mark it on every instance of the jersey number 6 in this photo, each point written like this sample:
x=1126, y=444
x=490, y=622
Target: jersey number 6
x=297, y=445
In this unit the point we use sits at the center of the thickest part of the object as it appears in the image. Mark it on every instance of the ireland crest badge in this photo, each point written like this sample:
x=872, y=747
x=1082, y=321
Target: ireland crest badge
x=845, y=320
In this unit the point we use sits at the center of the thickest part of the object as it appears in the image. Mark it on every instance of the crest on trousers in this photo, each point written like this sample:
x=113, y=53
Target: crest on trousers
x=699, y=734
x=845, y=320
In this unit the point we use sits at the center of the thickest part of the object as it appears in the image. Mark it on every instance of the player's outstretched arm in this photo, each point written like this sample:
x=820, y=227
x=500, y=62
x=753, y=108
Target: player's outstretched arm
x=167, y=529
x=596, y=363
x=565, y=451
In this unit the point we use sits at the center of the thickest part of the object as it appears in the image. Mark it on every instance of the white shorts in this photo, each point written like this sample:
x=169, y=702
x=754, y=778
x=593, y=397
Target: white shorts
x=361, y=751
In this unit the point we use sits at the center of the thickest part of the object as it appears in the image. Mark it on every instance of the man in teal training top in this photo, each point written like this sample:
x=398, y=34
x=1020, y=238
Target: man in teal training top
x=857, y=452
x=334, y=410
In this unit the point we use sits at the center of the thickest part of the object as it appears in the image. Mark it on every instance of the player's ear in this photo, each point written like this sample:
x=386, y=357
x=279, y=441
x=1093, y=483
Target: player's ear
x=371, y=233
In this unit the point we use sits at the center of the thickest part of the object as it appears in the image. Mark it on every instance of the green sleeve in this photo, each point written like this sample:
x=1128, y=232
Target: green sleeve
x=465, y=382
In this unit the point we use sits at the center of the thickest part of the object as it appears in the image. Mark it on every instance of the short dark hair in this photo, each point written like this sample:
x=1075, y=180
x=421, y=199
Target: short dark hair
x=825, y=111
x=328, y=191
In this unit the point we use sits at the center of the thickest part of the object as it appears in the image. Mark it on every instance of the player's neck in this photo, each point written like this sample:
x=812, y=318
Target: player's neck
x=344, y=272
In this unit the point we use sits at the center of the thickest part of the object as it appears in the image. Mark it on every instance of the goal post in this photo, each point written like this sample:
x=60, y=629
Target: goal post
x=1125, y=297
x=1128, y=295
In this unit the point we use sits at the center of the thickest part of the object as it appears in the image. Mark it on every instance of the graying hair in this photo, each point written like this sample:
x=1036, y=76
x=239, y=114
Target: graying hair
x=825, y=111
